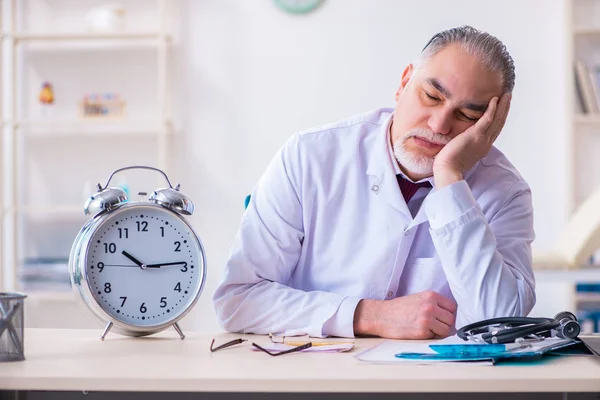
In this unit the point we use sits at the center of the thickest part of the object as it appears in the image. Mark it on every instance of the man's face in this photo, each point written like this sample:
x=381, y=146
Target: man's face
x=436, y=103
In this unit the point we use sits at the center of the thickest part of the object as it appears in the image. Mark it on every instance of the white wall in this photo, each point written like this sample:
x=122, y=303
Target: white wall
x=252, y=75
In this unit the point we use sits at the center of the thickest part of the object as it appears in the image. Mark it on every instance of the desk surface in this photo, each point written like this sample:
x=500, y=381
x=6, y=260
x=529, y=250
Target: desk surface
x=64, y=359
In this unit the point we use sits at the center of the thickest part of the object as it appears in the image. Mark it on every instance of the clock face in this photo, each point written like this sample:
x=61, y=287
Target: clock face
x=144, y=265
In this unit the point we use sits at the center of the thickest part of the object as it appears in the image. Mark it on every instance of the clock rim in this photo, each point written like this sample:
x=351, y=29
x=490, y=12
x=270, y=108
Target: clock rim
x=79, y=278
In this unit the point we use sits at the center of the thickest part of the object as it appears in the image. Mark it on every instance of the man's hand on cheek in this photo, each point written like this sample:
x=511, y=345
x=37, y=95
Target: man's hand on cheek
x=462, y=152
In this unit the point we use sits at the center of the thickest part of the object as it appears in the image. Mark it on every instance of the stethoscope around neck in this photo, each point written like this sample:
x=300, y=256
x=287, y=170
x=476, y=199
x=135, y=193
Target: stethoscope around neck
x=515, y=329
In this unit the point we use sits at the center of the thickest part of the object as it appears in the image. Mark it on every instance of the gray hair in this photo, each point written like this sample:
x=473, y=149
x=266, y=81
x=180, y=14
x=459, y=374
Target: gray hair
x=487, y=48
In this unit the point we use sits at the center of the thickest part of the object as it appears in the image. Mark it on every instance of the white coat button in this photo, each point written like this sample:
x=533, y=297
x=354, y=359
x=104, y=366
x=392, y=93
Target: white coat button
x=406, y=233
x=390, y=294
x=432, y=216
x=375, y=188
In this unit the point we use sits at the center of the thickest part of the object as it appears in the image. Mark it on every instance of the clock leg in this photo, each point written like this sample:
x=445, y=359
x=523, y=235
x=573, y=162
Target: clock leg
x=178, y=329
x=108, y=326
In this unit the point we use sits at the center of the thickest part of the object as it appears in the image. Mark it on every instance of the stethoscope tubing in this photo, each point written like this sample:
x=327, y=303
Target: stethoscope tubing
x=522, y=327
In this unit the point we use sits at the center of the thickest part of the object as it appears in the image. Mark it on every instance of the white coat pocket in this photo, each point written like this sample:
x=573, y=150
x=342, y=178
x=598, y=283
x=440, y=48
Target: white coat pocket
x=421, y=274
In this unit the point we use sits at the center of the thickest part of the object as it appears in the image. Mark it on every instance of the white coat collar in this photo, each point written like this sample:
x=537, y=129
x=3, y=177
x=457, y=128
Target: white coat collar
x=381, y=169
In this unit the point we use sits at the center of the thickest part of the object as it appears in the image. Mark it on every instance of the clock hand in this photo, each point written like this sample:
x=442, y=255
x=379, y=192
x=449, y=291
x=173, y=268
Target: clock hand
x=135, y=260
x=167, y=264
x=121, y=265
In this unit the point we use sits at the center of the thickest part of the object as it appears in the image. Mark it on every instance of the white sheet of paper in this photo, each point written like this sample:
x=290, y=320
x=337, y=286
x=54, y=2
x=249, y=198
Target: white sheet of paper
x=385, y=353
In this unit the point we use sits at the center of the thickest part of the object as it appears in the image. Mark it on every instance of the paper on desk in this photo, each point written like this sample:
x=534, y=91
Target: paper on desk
x=386, y=351
x=332, y=348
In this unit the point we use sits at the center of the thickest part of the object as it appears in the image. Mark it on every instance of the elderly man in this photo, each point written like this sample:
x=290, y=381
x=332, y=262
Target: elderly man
x=401, y=223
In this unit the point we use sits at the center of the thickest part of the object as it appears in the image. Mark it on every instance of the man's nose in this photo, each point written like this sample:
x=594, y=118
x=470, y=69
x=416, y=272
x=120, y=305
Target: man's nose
x=440, y=121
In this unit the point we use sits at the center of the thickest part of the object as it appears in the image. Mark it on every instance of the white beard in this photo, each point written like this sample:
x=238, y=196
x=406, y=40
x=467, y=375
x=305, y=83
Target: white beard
x=416, y=163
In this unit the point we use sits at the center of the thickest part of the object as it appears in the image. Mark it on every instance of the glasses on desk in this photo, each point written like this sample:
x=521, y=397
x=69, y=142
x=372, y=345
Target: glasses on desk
x=298, y=345
x=225, y=345
x=280, y=353
x=234, y=342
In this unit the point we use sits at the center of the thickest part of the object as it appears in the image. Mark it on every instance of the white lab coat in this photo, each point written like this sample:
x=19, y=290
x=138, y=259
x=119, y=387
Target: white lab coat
x=327, y=226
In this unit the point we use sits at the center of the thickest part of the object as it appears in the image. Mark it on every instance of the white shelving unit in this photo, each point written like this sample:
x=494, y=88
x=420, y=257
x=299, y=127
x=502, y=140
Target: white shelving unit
x=22, y=37
x=584, y=35
x=89, y=148
x=2, y=126
x=582, y=145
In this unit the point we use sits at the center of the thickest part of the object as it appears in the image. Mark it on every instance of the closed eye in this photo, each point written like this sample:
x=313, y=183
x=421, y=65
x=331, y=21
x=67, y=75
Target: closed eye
x=469, y=118
x=431, y=97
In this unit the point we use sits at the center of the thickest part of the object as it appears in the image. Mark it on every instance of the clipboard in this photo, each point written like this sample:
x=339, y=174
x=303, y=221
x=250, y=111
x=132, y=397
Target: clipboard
x=491, y=352
x=456, y=350
x=592, y=343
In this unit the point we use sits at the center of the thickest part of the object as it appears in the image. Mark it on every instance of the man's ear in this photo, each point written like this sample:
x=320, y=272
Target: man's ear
x=406, y=75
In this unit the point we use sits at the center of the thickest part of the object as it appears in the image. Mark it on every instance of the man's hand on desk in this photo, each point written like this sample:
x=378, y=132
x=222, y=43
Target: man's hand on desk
x=422, y=315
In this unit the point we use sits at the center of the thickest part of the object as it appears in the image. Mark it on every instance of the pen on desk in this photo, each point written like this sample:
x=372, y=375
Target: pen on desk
x=316, y=343
x=303, y=342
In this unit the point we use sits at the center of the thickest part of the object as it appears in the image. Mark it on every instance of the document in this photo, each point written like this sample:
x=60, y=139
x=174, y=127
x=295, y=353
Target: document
x=454, y=349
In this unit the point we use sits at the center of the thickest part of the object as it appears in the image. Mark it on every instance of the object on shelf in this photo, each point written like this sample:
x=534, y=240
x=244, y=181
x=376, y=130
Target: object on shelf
x=579, y=240
x=106, y=18
x=588, y=306
x=587, y=88
x=43, y=273
x=108, y=105
x=122, y=183
x=46, y=94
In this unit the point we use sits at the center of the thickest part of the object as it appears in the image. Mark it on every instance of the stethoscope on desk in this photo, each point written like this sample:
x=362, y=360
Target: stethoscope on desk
x=517, y=329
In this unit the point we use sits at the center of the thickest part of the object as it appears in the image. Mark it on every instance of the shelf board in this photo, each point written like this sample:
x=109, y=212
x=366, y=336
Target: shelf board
x=87, y=36
x=101, y=128
x=583, y=31
x=588, y=274
x=587, y=297
x=590, y=119
x=45, y=295
x=57, y=42
x=34, y=209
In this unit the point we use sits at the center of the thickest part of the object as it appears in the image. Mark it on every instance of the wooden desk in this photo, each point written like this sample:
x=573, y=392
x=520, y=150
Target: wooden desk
x=76, y=360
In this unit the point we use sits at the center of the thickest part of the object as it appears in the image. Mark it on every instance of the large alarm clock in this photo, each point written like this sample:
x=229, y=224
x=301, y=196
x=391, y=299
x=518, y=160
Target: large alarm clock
x=138, y=265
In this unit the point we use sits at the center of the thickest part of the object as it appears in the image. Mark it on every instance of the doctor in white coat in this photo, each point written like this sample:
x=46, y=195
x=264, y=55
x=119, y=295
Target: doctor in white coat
x=401, y=223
